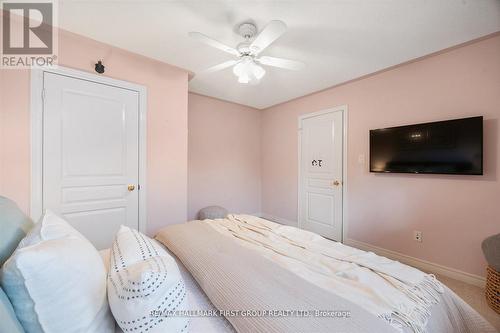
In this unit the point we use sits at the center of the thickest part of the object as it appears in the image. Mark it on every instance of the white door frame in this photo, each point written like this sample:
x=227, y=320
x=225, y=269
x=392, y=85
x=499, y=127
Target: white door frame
x=343, y=109
x=37, y=95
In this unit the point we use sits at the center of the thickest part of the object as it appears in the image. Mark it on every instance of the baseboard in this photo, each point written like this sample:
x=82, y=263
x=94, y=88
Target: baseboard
x=276, y=219
x=424, y=265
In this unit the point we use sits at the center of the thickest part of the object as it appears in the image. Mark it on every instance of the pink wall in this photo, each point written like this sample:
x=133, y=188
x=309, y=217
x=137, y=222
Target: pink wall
x=455, y=213
x=233, y=148
x=167, y=124
x=224, y=156
x=15, y=136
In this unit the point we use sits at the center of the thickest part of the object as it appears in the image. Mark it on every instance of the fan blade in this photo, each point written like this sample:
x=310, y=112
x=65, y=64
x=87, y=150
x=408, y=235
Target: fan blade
x=272, y=31
x=222, y=66
x=214, y=43
x=281, y=63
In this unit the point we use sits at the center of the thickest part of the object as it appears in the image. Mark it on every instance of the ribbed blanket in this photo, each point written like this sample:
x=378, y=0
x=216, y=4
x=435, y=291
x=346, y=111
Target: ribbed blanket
x=236, y=273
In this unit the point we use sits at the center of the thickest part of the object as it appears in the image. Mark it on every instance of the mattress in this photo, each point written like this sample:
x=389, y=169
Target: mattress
x=197, y=300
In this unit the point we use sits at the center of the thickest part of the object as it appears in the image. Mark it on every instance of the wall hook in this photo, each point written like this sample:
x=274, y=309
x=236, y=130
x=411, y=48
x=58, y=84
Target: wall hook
x=99, y=67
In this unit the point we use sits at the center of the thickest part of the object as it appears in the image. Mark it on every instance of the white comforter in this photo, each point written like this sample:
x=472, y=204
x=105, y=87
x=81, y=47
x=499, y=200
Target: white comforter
x=397, y=293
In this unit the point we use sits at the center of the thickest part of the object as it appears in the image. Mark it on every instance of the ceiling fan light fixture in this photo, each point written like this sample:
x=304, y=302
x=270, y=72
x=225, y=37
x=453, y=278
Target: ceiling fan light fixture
x=248, y=61
x=243, y=79
x=248, y=71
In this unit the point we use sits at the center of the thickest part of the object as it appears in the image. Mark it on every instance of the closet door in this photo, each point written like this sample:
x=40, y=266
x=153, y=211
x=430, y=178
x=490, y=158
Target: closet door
x=91, y=155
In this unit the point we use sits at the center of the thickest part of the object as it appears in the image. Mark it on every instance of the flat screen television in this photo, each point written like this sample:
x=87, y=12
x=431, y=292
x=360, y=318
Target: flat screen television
x=442, y=147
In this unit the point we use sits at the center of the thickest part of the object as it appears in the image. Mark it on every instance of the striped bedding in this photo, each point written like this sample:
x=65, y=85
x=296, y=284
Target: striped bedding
x=240, y=272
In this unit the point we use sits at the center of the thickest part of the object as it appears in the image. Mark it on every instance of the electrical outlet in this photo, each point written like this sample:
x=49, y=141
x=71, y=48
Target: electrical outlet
x=417, y=236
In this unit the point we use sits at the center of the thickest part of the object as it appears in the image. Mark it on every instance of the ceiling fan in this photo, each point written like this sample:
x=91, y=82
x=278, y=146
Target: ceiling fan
x=247, y=66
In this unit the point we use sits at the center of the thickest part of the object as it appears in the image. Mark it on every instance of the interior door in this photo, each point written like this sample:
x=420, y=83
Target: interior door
x=91, y=155
x=320, y=188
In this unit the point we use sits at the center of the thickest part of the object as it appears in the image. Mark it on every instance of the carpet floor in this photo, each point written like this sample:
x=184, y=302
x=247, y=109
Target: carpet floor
x=474, y=296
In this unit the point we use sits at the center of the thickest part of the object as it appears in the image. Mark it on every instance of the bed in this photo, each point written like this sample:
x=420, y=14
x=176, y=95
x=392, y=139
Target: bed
x=266, y=277
x=255, y=275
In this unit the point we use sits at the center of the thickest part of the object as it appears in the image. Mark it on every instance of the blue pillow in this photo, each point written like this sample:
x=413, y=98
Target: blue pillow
x=8, y=319
x=14, y=225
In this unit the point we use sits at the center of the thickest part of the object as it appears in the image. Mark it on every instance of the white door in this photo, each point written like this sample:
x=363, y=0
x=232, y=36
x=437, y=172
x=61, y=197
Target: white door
x=320, y=188
x=91, y=155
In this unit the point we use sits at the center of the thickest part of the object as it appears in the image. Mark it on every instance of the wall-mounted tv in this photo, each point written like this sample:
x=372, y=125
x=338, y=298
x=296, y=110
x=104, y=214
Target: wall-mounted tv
x=442, y=147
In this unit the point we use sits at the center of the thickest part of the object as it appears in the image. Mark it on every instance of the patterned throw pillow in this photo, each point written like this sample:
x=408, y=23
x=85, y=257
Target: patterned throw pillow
x=145, y=289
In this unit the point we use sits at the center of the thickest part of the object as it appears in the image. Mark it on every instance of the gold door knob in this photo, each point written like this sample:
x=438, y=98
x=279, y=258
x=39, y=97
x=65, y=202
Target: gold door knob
x=336, y=183
x=131, y=188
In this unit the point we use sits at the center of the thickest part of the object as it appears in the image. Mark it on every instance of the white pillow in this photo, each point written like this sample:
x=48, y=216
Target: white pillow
x=143, y=278
x=56, y=281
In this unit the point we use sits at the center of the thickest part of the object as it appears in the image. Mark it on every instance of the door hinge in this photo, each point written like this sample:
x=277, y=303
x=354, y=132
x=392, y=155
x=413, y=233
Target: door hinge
x=43, y=94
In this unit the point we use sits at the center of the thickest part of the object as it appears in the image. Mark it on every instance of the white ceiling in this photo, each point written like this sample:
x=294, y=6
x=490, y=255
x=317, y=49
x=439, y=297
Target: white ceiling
x=339, y=40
